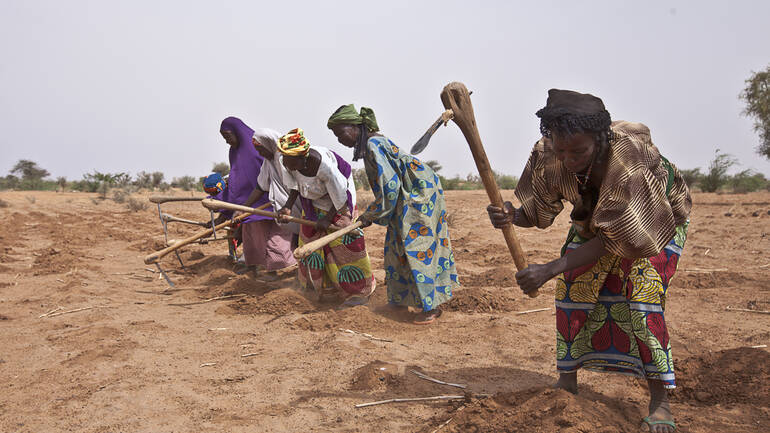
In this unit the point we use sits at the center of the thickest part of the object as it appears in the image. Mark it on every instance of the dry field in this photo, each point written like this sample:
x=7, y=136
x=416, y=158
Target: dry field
x=137, y=361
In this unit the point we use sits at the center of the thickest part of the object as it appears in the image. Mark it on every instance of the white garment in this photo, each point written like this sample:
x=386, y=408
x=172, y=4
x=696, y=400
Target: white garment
x=328, y=187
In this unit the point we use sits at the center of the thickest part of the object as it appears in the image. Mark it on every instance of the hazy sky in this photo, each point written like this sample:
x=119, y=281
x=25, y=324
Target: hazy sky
x=143, y=85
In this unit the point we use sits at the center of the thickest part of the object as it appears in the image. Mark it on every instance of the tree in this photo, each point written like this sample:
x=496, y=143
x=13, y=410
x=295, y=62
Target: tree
x=757, y=98
x=222, y=168
x=434, y=165
x=717, y=174
x=29, y=170
x=185, y=182
x=691, y=176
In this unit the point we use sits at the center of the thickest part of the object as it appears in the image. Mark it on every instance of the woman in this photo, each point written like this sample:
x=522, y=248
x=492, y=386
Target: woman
x=265, y=244
x=322, y=181
x=408, y=199
x=629, y=224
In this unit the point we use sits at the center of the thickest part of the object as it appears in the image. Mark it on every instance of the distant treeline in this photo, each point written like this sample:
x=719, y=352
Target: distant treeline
x=27, y=175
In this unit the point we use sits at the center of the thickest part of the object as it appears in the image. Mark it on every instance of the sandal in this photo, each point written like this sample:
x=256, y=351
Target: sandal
x=651, y=423
x=427, y=317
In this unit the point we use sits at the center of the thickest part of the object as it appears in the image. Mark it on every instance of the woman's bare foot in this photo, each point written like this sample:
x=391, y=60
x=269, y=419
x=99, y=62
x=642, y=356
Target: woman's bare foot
x=660, y=419
x=426, y=317
x=567, y=382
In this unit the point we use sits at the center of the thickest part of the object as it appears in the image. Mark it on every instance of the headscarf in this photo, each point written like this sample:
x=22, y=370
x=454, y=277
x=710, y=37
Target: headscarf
x=270, y=177
x=245, y=164
x=268, y=138
x=574, y=112
x=294, y=143
x=347, y=115
x=214, y=183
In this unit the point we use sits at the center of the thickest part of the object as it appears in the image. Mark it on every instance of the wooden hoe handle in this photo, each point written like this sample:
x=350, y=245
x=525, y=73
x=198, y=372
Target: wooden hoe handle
x=305, y=250
x=157, y=255
x=455, y=97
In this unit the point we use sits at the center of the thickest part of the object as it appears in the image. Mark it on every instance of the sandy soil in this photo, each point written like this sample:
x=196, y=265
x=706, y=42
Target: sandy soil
x=275, y=360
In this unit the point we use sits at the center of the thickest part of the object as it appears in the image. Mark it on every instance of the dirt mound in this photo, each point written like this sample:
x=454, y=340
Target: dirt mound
x=55, y=260
x=481, y=301
x=218, y=277
x=374, y=376
x=493, y=277
x=729, y=376
x=277, y=302
x=539, y=410
x=148, y=245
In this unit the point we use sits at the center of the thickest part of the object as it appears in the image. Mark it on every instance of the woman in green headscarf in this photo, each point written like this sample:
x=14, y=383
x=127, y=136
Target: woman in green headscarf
x=409, y=201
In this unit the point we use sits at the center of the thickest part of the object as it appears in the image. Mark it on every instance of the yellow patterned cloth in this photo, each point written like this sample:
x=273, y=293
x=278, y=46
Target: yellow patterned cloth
x=610, y=313
x=294, y=143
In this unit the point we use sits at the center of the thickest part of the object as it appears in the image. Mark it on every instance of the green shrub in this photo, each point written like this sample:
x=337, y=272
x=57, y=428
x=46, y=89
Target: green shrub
x=748, y=181
x=691, y=176
x=186, y=183
x=717, y=174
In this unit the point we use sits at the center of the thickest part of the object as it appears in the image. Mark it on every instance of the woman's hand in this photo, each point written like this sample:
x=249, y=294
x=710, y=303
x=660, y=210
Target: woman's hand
x=365, y=222
x=220, y=219
x=283, y=215
x=501, y=217
x=534, y=276
x=322, y=224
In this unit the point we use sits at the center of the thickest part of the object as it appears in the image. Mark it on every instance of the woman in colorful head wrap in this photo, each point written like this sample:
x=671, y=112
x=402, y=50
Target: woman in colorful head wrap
x=629, y=224
x=265, y=244
x=321, y=180
x=409, y=201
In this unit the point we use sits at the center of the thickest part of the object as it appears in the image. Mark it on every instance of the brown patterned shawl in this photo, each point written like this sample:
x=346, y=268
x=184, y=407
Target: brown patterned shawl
x=633, y=216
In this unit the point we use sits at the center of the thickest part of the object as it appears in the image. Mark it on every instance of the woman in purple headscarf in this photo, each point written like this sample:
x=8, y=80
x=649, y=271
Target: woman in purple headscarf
x=265, y=244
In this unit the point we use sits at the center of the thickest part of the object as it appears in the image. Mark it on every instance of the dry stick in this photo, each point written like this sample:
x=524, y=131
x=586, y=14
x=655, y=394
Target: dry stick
x=76, y=310
x=428, y=378
x=245, y=355
x=403, y=400
x=443, y=424
x=706, y=271
x=532, y=311
x=363, y=334
x=746, y=310
x=208, y=364
x=764, y=266
x=52, y=311
x=218, y=298
x=761, y=346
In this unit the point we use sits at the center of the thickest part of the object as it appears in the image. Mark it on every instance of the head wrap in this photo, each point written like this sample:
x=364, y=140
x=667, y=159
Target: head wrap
x=347, y=115
x=268, y=138
x=214, y=183
x=245, y=165
x=294, y=143
x=573, y=112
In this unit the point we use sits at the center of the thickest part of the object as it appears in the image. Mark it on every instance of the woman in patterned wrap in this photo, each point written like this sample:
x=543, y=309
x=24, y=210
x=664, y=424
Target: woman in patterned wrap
x=408, y=200
x=629, y=224
x=322, y=181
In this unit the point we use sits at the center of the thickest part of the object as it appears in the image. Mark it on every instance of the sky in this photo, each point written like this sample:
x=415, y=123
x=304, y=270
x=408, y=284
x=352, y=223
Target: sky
x=130, y=86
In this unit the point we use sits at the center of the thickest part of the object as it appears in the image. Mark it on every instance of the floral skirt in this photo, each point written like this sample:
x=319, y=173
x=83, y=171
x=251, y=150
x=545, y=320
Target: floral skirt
x=610, y=314
x=342, y=266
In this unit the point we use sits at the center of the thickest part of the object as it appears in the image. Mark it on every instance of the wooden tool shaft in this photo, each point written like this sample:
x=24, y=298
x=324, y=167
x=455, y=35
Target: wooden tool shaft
x=164, y=199
x=305, y=250
x=455, y=96
x=157, y=255
x=216, y=204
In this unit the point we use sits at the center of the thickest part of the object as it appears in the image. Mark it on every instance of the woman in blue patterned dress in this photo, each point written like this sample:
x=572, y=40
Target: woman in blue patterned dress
x=408, y=200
